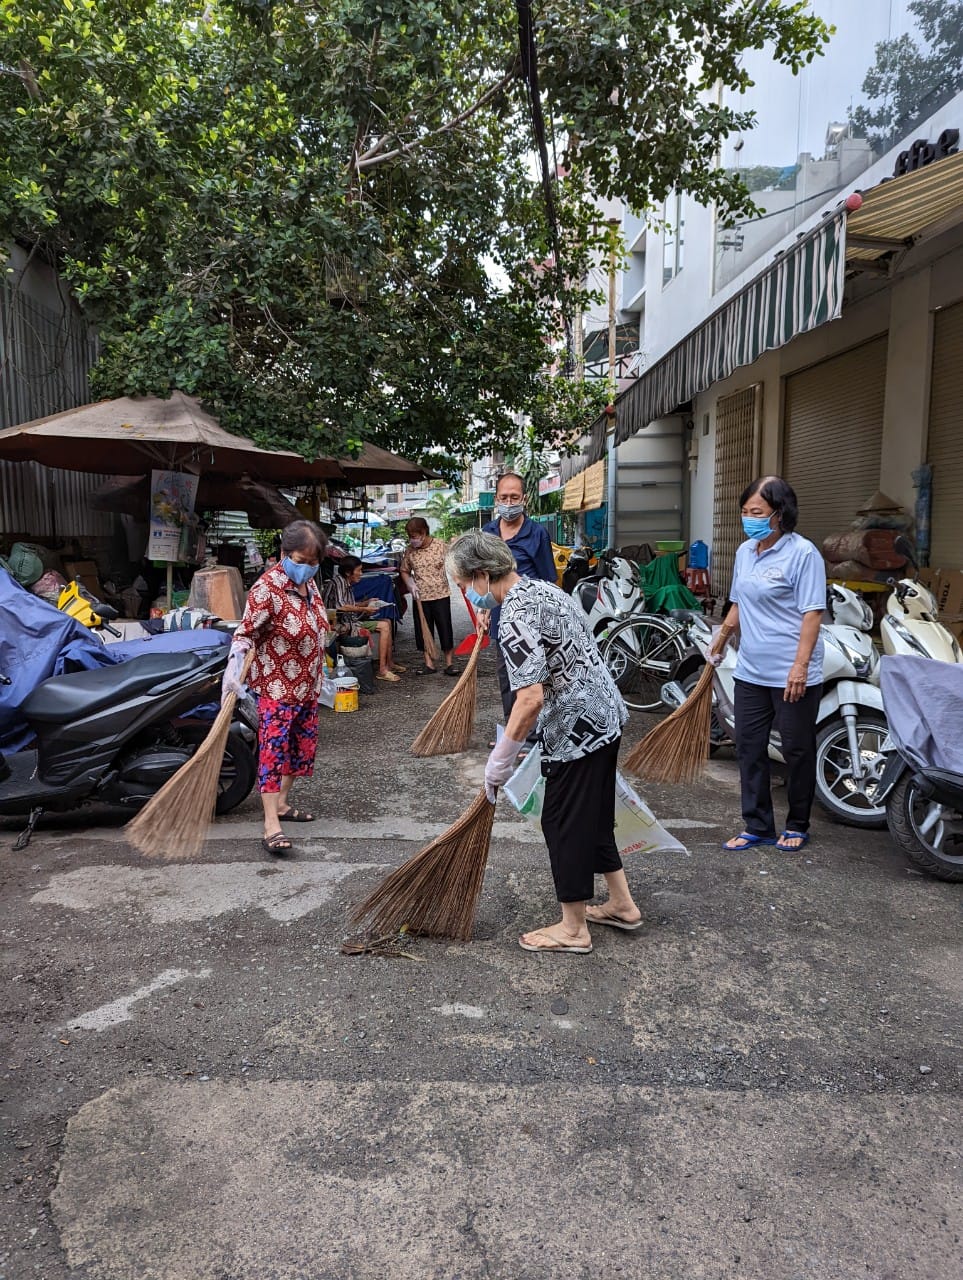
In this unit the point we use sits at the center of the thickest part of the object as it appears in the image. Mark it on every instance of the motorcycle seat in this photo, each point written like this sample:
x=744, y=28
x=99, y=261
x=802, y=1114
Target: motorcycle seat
x=63, y=698
x=685, y=615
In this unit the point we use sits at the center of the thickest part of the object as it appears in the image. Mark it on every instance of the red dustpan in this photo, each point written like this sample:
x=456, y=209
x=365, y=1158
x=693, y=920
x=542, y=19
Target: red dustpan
x=468, y=643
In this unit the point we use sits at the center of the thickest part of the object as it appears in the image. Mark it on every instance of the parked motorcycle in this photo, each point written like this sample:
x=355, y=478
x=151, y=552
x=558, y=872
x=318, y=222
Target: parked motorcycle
x=922, y=784
x=850, y=723
x=611, y=594
x=116, y=734
x=911, y=625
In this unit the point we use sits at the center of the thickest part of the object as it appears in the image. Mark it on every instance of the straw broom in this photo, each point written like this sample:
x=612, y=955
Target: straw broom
x=449, y=729
x=435, y=893
x=431, y=653
x=677, y=749
x=173, y=823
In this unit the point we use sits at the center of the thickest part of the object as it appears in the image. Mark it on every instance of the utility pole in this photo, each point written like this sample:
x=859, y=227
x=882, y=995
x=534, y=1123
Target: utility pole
x=612, y=451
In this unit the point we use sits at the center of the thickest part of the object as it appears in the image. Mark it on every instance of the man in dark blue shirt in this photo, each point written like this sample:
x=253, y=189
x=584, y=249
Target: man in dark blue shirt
x=531, y=546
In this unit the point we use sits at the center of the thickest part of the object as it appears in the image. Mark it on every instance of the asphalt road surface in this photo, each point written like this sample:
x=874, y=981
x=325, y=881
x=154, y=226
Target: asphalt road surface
x=763, y=1082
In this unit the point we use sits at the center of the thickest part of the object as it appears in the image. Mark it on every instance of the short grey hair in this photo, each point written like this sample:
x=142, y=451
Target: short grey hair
x=476, y=552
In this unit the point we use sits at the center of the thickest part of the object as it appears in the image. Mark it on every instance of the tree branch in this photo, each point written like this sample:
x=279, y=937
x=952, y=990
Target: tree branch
x=374, y=156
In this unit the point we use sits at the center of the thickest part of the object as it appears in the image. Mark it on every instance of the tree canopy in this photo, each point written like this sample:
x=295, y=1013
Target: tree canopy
x=342, y=218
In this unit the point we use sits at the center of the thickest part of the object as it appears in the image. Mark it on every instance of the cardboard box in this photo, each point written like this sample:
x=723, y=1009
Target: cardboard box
x=949, y=593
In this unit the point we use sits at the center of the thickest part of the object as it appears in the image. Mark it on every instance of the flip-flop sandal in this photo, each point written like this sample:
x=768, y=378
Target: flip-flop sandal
x=556, y=948
x=295, y=815
x=801, y=836
x=750, y=840
x=278, y=844
x=452, y=671
x=616, y=922
x=427, y=671
x=399, y=669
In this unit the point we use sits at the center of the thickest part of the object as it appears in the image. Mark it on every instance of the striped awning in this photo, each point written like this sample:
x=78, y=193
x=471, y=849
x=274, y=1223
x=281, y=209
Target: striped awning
x=900, y=212
x=800, y=291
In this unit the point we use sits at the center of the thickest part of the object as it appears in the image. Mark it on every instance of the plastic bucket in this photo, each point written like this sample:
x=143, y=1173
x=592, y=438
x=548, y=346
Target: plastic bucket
x=346, y=700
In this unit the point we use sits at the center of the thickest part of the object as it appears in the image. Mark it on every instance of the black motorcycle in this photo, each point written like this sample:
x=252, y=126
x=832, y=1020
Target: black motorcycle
x=116, y=734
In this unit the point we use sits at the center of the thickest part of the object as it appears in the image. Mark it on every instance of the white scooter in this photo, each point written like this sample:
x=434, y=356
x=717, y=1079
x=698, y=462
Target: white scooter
x=611, y=594
x=910, y=626
x=850, y=724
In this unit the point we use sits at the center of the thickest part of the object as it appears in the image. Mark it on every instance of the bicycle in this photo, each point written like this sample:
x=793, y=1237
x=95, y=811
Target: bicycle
x=643, y=653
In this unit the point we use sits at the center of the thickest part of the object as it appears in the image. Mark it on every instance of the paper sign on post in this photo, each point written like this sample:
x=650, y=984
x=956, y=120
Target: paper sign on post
x=172, y=497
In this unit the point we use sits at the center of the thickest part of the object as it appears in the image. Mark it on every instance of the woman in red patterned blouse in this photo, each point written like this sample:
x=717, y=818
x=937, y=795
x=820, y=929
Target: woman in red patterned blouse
x=286, y=622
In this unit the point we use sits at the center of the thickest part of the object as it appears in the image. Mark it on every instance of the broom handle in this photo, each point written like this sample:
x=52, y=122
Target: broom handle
x=429, y=644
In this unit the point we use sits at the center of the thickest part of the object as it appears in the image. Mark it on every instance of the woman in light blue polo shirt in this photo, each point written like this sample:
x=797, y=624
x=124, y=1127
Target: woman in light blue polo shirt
x=778, y=597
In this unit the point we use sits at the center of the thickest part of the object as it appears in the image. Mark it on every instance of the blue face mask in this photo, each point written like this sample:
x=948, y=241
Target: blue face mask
x=756, y=527
x=299, y=573
x=478, y=601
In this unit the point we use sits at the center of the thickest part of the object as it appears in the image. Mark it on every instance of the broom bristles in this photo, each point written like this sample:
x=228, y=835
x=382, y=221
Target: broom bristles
x=449, y=729
x=436, y=891
x=431, y=653
x=677, y=749
x=173, y=824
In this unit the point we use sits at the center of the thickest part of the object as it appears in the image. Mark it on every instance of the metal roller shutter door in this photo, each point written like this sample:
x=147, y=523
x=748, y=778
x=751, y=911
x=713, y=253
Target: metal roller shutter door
x=737, y=448
x=945, y=448
x=833, y=437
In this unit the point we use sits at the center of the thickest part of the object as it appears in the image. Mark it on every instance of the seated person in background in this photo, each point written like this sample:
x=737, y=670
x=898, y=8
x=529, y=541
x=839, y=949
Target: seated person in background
x=339, y=595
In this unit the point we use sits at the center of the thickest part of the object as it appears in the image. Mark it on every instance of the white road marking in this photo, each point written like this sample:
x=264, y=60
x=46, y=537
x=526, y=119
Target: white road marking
x=397, y=829
x=109, y=1015
x=199, y=891
x=461, y=1010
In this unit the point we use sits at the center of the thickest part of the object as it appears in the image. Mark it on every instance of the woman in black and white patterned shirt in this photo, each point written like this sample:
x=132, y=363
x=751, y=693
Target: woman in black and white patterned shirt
x=562, y=685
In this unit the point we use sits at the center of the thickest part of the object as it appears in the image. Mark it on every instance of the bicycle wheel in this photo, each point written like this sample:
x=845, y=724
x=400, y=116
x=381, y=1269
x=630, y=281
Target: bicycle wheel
x=641, y=654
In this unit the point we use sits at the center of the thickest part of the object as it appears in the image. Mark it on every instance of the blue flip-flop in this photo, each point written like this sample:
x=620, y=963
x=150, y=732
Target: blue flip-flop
x=801, y=836
x=750, y=840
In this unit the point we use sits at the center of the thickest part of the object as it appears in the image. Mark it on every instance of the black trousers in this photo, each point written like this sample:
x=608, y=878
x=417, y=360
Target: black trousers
x=578, y=821
x=438, y=618
x=759, y=710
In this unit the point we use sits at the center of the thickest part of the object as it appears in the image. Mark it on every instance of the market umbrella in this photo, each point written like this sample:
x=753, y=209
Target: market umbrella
x=136, y=434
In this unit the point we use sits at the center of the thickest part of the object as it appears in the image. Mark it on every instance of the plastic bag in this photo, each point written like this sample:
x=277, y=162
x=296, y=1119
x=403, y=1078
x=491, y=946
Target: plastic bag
x=637, y=830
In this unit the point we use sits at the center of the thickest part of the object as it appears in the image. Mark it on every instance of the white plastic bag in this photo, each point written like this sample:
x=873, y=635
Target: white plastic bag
x=637, y=830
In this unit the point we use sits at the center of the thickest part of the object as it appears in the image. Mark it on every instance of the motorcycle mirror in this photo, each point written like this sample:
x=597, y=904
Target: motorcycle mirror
x=905, y=548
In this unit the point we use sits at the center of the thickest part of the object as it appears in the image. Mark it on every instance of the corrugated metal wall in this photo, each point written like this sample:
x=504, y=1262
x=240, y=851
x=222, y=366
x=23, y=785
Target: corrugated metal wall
x=49, y=503
x=45, y=357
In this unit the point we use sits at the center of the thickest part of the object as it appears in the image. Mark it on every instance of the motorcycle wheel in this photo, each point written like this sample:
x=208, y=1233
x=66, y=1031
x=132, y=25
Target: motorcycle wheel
x=717, y=733
x=836, y=789
x=642, y=654
x=238, y=770
x=929, y=833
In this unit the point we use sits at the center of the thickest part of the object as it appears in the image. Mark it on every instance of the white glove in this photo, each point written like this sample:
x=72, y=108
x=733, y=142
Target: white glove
x=231, y=680
x=713, y=659
x=501, y=764
x=415, y=593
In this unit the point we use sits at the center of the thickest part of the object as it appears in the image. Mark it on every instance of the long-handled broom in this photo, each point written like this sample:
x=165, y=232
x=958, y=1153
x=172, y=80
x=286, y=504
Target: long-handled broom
x=449, y=729
x=431, y=653
x=435, y=893
x=677, y=749
x=173, y=824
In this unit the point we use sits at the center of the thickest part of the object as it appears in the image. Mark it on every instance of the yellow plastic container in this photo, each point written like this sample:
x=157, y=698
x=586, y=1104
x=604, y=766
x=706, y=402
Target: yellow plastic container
x=346, y=700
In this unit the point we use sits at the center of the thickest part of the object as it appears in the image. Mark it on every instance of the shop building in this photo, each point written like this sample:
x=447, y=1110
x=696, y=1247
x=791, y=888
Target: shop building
x=824, y=339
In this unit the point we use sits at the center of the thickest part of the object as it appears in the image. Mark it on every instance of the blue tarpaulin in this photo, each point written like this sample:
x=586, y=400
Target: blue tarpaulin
x=33, y=639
